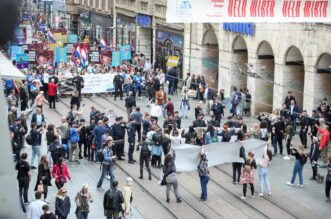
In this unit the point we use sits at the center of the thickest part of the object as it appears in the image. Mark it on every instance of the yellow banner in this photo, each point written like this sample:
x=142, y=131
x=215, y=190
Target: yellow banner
x=52, y=46
x=173, y=61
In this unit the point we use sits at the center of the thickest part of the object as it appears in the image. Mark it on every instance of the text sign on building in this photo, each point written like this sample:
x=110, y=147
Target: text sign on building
x=243, y=28
x=216, y=11
x=143, y=20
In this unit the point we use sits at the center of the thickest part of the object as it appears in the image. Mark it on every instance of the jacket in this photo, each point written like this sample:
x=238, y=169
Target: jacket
x=107, y=156
x=58, y=174
x=217, y=109
x=52, y=89
x=118, y=132
x=83, y=201
x=127, y=193
x=98, y=131
x=314, y=151
x=44, y=175
x=120, y=200
x=62, y=205
x=324, y=138
x=34, y=118
x=170, y=167
x=160, y=97
x=131, y=133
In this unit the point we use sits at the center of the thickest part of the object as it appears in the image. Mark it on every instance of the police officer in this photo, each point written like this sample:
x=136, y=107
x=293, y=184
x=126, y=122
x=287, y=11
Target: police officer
x=118, y=83
x=145, y=152
x=118, y=134
x=131, y=139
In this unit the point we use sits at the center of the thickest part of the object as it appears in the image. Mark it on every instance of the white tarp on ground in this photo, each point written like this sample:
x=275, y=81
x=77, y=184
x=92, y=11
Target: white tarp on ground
x=187, y=156
x=8, y=70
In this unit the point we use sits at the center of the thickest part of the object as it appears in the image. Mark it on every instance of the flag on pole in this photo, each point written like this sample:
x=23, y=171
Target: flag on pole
x=103, y=42
x=76, y=56
x=51, y=36
x=84, y=55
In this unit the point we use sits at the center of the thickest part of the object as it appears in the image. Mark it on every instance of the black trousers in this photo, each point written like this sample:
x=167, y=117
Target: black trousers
x=137, y=127
x=23, y=186
x=51, y=100
x=236, y=171
x=303, y=137
x=119, y=149
x=288, y=146
x=59, y=185
x=24, y=105
x=118, y=92
x=245, y=188
x=279, y=142
x=156, y=159
x=327, y=188
x=146, y=161
x=315, y=168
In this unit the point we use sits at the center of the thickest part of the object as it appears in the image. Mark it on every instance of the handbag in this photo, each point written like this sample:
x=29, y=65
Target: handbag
x=191, y=93
x=40, y=188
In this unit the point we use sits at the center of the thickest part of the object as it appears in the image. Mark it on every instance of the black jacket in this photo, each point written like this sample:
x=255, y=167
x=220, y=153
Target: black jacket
x=199, y=123
x=106, y=200
x=118, y=132
x=34, y=118
x=314, y=151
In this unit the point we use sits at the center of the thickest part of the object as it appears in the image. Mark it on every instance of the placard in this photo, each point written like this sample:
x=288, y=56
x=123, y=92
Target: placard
x=94, y=57
x=116, y=58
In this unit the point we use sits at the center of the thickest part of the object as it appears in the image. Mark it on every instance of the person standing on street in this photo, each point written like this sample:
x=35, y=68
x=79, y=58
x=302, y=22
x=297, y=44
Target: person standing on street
x=324, y=140
x=23, y=177
x=294, y=114
x=98, y=132
x=289, y=99
x=83, y=199
x=107, y=163
x=34, y=210
x=44, y=176
x=218, y=111
x=304, y=122
x=118, y=84
x=313, y=156
x=169, y=173
x=145, y=152
x=60, y=173
x=203, y=174
x=127, y=194
x=62, y=204
x=52, y=91
x=298, y=166
x=263, y=170
x=137, y=116
x=118, y=134
x=130, y=102
x=36, y=146
x=131, y=139
x=79, y=85
x=112, y=201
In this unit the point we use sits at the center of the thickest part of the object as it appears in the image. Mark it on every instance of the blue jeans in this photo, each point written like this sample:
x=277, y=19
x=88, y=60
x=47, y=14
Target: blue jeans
x=294, y=124
x=297, y=169
x=35, y=152
x=204, y=181
x=83, y=215
x=263, y=178
x=103, y=174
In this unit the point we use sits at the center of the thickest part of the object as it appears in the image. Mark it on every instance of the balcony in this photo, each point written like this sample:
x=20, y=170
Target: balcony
x=129, y=5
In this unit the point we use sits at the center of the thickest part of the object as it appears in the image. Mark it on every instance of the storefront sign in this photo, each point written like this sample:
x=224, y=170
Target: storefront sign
x=243, y=28
x=103, y=21
x=216, y=11
x=143, y=20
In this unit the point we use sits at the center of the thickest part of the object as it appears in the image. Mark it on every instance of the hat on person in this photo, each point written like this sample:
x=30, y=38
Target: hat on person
x=109, y=138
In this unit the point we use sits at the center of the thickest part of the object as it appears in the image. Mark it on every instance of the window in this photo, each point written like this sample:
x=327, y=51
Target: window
x=143, y=6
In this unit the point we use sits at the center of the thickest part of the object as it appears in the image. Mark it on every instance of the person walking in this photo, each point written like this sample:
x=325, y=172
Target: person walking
x=203, y=174
x=263, y=170
x=52, y=92
x=40, y=100
x=169, y=175
x=83, y=199
x=60, y=173
x=304, y=124
x=34, y=209
x=327, y=178
x=36, y=146
x=137, y=116
x=300, y=160
x=62, y=204
x=107, y=163
x=294, y=114
x=127, y=194
x=145, y=153
x=324, y=140
x=130, y=103
x=23, y=177
x=247, y=178
x=288, y=138
x=118, y=84
x=236, y=166
x=112, y=201
x=313, y=156
x=184, y=105
x=131, y=139
x=43, y=177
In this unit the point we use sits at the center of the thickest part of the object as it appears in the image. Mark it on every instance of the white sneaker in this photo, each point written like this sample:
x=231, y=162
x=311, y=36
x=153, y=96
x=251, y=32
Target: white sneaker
x=269, y=193
x=252, y=196
x=108, y=177
x=243, y=198
x=299, y=185
x=286, y=157
x=260, y=194
x=290, y=184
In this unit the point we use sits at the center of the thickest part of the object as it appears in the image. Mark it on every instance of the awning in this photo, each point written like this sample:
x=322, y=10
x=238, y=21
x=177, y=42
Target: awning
x=8, y=70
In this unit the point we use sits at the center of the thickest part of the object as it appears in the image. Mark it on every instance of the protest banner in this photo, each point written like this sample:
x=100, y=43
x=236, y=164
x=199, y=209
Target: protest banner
x=72, y=38
x=125, y=52
x=60, y=54
x=44, y=57
x=22, y=61
x=116, y=59
x=98, y=83
x=217, y=11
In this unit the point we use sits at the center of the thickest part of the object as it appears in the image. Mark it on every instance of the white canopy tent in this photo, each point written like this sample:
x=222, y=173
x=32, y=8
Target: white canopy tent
x=8, y=70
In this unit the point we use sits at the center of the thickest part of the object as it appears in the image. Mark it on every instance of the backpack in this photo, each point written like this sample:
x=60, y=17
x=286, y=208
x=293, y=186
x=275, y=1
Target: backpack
x=99, y=155
x=144, y=150
x=158, y=138
x=303, y=159
x=200, y=133
x=74, y=136
x=112, y=201
x=29, y=140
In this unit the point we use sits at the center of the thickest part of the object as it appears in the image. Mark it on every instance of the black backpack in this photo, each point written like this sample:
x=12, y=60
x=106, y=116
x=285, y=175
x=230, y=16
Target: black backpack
x=144, y=150
x=158, y=138
x=29, y=139
x=112, y=201
x=303, y=159
x=100, y=154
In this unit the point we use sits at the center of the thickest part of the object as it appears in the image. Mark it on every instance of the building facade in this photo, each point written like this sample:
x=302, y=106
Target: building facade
x=268, y=59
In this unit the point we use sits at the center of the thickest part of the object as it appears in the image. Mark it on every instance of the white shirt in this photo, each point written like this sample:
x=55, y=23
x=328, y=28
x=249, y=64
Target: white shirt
x=292, y=107
x=34, y=210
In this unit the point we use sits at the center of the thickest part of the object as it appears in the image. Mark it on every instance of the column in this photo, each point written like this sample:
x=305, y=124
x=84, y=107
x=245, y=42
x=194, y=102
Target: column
x=187, y=49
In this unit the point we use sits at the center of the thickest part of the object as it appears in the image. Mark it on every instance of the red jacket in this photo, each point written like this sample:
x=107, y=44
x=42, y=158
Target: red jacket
x=57, y=173
x=52, y=89
x=324, y=137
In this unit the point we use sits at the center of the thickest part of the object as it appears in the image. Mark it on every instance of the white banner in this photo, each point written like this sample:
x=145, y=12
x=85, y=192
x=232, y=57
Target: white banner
x=217, y=11
x=187, y=156
x=98, y=83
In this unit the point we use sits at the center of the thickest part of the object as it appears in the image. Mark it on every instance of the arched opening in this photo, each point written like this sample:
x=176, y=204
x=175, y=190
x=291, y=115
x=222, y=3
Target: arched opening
x=323, y=79
x=265, y=67
x=294, y=74
x=210, y=59
x=239, y=63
